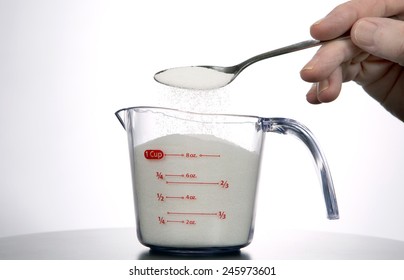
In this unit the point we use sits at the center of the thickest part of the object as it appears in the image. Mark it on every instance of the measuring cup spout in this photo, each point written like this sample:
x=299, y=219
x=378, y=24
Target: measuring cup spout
x=289, y=126
x=120, y=114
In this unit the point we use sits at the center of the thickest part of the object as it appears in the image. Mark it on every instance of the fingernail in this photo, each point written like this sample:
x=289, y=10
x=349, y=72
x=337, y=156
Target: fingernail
x=322, y=86
x=308, y=67
x=364, y=31
x=318, y=22
x=311, y=96
x=314, y=87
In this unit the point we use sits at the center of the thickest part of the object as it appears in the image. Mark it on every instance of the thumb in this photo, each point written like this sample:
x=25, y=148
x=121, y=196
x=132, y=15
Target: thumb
x=382, y=37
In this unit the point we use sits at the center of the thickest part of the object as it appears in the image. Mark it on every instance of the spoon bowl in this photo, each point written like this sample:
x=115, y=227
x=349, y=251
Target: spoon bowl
x=205, y=77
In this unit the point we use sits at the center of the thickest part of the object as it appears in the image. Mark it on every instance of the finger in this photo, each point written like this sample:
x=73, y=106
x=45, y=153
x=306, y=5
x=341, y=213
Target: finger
x=311, y=96
x=328, y=59
x=380, y=37
x=341, y=18
x=327, y=90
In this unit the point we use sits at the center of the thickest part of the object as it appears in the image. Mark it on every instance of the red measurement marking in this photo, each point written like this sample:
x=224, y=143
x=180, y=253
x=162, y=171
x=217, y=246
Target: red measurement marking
x=175, y=221
x=190, y=175
x=188, y=222
x=159, y=154
x=187, y=175
x=153, y=154
x=174, y=155
x=159, y=175
x=175, y=197
x=193, y=213
x=224, y=184
x=189, y=155
x=222, y=215
x=160, y=197
x=174, y=175
x=205, y=155
x=191, y=183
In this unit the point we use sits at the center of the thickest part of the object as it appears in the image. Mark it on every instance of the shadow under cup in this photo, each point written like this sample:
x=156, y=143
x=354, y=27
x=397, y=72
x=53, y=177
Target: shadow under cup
x=195, y=176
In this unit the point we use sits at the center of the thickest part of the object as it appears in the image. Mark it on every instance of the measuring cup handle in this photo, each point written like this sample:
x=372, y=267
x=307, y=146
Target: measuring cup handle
x=289, y=126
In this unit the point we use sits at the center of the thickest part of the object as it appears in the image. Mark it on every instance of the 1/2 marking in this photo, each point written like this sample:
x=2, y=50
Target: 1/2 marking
x=161, y=197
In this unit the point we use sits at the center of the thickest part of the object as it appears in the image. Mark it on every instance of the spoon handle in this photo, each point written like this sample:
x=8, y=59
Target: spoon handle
x=289, y=49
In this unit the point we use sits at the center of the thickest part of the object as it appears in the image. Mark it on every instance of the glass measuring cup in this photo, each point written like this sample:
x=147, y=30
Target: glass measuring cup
x=195, y=176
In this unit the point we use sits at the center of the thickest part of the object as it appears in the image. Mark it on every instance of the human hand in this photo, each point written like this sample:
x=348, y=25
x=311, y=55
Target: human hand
x=373, y=58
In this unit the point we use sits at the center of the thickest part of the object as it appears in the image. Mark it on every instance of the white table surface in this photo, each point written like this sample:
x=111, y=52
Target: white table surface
x=122, y=244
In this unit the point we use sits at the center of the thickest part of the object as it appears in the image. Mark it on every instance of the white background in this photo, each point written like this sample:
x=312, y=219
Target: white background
x=67, y=66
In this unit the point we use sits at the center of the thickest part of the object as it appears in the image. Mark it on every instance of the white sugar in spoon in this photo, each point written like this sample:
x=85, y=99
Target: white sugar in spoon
x=212, y=77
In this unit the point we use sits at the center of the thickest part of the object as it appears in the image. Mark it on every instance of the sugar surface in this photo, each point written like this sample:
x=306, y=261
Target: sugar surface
x=195, y=77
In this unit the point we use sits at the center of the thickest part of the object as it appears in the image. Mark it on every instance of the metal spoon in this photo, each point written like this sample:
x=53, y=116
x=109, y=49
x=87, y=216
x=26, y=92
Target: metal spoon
x=206, y=77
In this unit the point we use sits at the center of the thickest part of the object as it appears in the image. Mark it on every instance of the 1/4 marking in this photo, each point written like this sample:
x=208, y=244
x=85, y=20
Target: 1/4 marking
x=163, y=221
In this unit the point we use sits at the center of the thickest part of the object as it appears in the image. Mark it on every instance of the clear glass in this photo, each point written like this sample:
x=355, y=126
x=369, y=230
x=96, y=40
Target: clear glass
x=195, y=176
